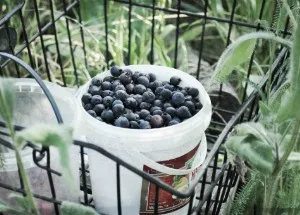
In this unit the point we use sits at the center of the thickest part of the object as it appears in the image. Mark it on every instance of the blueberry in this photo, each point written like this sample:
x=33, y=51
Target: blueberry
x=151, y=77
x=158, y=90
x=134, y=125
x=183, y=112
x=107, y=93
x=116, y=71
x=177, y=119
x=156, y=121
x=120, y=87
x=94, y=90
x=148, y=118
x=108, y=78
x=175, y=80
x=122, y=122
x=128, y=71
x=190, y=105
x=115, y=84
x=158, y=103
x=99, y=108
x=107, y=116
x=131, y=116
x=88, y=106
x=86, y=98
x=164, y=83
x=153, y=85
x=121, y=95
x=138, y=98
x=157, y=112
x=125, y=78
x=139, y=89
x=188, y=98
x=143, y=80
x=92, y=113
x=186, y=89
x=145, y=105
x=118, y=109
x=178, y=99
x=198, y=105
x=194, y=92
x=144, y=124
x=144, y=113
x=129, y=88
x=117, y=102
x=99, y=118
x=154, y=109
x=165, y=94
x=166, y=117
x=96, y=81
x=167, y=104
x=96, y=99
x=169, y=87
x=131, y=103
x=107, y=101
x=173, y=122
x=148, y=97
x=106, y=85
x=135, y=76
x=184, y=92
x=171, y=111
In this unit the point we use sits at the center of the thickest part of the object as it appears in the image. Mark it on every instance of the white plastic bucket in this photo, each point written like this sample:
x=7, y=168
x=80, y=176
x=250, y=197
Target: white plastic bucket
x=32, y=107
x=164, y=151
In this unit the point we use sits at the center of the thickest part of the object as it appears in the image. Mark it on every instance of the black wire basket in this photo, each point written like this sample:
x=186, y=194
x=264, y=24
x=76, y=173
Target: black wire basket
x=216, y=178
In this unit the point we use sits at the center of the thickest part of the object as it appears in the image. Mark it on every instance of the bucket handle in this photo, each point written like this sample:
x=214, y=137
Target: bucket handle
x=198, y=160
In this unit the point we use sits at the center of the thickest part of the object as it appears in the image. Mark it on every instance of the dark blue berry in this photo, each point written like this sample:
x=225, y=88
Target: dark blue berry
x=96, y=99
x=175, y=80
x=191, y=106
x=94, y=90
x=148, y=118
x=157, y=112
x=143, y=80
x=86, y=98
x=156, y=121
x=99, y=108
x=178, y=98
x=135, y=76
x=183, y=112
x=153, y=85
x=158, y=90
x=116, y=71
x=194, y=92
x=169, y=87
x=125, y=78
x=92, y=113
x=107, y=101
x=107, y=93
x=179, y=88
x=188, y=98
x=144, y=113
x=96, y=81
x=99, y=118
x=198, y=105
x=107, y=116
x=115, y=84
x=173, y=122
x=166, y=117
x=117, y=102
x=158, y=103
x=128, y=71
x=144, y=124
x=106, y=85
x=118, y=109
x=145, y=105
x=129, y=88
x=164, y=83
x=120, y=87
x=167, y=104
x=138, y=98
x=187, y=89
x=134, y=125
x=171, y=111
x=122, y=122
x=151, y=77
x=184, y=92
x=148, y=97
x=154, y=109
x=131, y=103
x=139, y=89
x=108, y=78
x=121, y=95
x=88, y=106
x=165, y=94
x=177, y=119
x=131, y=116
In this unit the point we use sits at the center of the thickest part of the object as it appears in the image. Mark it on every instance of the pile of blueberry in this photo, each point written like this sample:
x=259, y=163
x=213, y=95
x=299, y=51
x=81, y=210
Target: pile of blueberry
x=135, y=100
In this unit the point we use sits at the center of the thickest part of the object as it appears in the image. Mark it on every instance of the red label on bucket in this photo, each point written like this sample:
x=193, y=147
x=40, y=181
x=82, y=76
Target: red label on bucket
x=167, y=202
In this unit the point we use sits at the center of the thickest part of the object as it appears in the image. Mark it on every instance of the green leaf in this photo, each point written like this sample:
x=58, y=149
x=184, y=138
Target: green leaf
x=4, y=207
x=70, y=208
x=264, y=109
x=59, y=136
x=7, y=100
x=21, y=201
x=277, y=97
